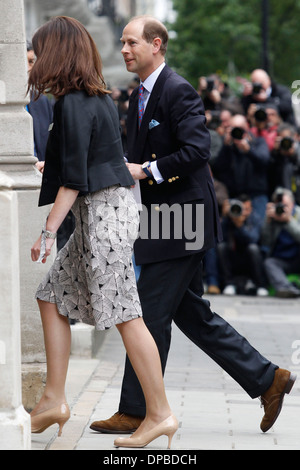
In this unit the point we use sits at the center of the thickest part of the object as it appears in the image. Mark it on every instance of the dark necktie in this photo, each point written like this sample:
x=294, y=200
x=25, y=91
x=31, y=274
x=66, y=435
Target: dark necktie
x=141, y=104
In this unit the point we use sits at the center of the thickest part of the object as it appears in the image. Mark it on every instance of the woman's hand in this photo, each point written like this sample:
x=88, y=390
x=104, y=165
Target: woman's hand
x=64, y=201
x=36, y=249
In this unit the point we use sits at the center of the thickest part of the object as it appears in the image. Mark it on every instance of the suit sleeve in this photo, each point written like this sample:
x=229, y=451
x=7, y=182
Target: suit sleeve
x=186, y=114
x=75, y=135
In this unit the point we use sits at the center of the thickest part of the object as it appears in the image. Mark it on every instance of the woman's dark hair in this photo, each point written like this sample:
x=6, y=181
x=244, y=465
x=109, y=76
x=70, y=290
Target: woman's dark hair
x=67, y=59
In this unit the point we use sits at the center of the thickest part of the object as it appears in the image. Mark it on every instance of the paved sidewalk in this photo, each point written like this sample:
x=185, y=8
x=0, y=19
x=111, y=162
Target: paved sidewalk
x=213, y=411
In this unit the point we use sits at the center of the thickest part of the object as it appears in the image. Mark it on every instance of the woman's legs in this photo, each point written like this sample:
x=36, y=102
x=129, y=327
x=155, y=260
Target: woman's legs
x=57, y=337
x=144, y=357
x=141, y=350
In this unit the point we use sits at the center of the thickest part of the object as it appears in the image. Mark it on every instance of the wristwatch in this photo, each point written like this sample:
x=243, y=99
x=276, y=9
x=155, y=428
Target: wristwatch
x=145, y=167
x=49, y=234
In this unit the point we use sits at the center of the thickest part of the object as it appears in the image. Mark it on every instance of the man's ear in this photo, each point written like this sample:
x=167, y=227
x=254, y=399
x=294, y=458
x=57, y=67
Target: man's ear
x=156, y=43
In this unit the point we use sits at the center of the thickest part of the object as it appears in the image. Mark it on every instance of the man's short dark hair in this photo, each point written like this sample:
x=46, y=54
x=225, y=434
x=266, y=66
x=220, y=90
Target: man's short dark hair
x=153, y=28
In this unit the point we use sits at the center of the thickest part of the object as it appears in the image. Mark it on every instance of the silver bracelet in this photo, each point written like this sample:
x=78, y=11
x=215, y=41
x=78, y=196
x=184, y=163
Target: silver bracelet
x=49, y=234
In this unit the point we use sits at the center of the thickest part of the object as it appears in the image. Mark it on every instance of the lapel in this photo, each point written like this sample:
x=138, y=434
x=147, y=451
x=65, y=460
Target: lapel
x=137, y=137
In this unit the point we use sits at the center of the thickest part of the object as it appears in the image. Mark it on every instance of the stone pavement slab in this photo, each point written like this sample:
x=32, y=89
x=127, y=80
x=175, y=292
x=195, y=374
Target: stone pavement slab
x=213, y=411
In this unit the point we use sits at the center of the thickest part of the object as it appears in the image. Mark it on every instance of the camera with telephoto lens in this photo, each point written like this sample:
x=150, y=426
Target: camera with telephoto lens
x=286, y=143
x=236, y=208
x=237, y=133
x=215, y=120
x=279, y=206
x=260, y=115
x=210, y=84
x=256, y=88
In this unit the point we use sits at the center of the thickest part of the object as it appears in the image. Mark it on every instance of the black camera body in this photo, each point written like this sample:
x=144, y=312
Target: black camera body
x=286, y=143
x=256, y=88
x=260, y=115
x=237, y=133
x=236, y=208
x=210, y=84
x=279, y=206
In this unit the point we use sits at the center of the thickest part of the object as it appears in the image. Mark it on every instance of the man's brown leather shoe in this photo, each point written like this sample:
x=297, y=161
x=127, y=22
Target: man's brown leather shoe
x=272, y=399
x=119, y=423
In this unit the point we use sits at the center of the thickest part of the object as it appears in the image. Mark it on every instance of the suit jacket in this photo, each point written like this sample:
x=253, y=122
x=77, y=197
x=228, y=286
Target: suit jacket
x=42, y=116
x=180, y=144
x=84, y=150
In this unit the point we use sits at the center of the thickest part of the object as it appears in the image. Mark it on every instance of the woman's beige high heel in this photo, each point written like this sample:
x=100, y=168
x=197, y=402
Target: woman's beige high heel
x=42, y=421
x=167, y=427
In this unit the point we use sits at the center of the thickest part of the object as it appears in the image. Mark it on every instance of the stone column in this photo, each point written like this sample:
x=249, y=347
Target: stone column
x=14, y=420
x=20, y=225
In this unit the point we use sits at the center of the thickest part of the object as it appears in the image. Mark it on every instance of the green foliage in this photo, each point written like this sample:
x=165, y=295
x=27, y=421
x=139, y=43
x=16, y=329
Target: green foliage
x=285, y=40
x=225, y=36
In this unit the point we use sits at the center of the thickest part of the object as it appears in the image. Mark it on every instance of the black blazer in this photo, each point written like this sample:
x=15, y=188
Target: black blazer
x=84, y=149
x=180, y=144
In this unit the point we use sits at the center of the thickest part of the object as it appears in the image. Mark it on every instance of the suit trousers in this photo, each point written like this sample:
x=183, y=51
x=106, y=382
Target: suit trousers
x=172, y=291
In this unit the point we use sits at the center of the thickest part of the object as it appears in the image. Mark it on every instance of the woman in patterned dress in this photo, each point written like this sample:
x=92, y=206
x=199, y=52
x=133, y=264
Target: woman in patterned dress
x=92, y=278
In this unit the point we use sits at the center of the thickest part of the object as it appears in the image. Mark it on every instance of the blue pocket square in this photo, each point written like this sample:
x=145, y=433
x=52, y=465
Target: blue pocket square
x=153, y=123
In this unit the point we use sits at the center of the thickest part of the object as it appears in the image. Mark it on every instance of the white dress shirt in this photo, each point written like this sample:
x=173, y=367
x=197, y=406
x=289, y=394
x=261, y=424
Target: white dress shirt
x=148, y=84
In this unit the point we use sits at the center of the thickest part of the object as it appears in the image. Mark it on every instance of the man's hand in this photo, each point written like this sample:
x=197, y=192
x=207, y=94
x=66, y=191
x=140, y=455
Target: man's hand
x=271, y=213
x=243, y=145
x=262, y=96
x=136, y=171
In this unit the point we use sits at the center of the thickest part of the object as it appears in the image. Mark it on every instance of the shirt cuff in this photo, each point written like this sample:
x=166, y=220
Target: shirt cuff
x=156, y=173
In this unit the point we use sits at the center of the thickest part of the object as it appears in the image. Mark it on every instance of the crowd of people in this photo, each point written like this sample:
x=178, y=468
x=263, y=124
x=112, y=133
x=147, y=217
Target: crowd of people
x=255, y=162
x=256, y=167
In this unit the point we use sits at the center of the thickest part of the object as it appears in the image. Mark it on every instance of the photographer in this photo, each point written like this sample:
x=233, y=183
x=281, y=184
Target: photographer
x=242, y=164
x=281, y=238
x=264, y=122
x=216, y=94
x=239, y=253
x=285, y=161
x=211, y=89
x=261, y=90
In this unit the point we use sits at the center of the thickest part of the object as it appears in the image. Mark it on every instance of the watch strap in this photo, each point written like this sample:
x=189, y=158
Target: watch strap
x=146, y=170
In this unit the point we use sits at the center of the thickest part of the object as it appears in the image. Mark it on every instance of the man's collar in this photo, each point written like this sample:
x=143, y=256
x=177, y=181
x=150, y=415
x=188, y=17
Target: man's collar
x=150, y=81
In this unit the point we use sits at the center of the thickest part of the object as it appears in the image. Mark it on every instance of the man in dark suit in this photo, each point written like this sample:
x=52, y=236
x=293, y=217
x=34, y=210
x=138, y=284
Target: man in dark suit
x=168, y=152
